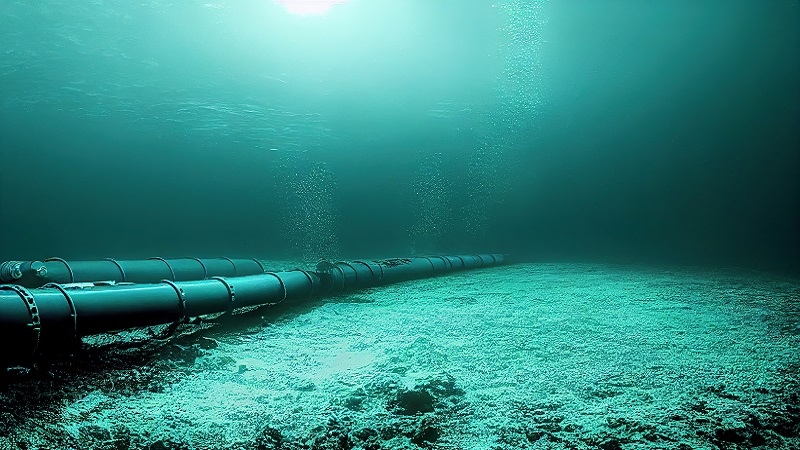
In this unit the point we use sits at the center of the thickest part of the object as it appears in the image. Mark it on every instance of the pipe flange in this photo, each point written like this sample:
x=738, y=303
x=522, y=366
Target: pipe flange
x=119, y=266
x=181, y=300
x=36, y=321
x=231, y=292
x=66, y=264
x=72, y=311
x=171, y=272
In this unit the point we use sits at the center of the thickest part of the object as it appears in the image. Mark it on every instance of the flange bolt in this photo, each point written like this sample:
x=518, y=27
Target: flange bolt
x=38, y=268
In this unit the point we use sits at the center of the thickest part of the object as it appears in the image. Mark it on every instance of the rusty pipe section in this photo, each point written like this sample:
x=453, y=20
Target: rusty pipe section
x=33, y=274
x=55, y=316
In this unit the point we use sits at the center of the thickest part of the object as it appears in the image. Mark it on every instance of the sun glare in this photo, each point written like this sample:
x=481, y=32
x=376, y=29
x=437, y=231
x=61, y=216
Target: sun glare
x=304, y=7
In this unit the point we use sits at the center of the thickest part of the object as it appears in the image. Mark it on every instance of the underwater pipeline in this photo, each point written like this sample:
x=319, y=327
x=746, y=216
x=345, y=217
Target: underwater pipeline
x=56, y=270
x=53, y=317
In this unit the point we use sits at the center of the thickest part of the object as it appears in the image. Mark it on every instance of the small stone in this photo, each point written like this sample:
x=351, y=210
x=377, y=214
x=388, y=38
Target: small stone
x=414, y=402
x=207, y=343
x=735, y=435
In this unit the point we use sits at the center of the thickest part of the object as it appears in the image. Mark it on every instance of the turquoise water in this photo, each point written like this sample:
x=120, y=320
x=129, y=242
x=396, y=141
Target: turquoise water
x=564, y=130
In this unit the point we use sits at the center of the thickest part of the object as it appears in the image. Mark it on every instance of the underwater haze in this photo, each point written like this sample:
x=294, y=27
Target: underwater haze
x=663, y=131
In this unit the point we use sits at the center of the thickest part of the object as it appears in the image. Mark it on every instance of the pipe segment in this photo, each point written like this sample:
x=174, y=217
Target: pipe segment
x=55, y=316
x=34, y=274
x=346, y=276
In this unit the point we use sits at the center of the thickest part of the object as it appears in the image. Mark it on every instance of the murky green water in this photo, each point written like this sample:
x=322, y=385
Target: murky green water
x=553, y=130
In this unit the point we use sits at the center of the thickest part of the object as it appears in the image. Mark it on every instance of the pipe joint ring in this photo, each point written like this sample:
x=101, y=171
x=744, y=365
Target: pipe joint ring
x=341, y=272
x=119, y=266
x=72, y=311
x=233, y=264
x=261, y=266
x=205, y=269
x=181, y=300
x=355, y=271
x=283, y=287
x=231, y=291
x=36, y=321
x=171, y=272
x=66, y=264
x=314, y=286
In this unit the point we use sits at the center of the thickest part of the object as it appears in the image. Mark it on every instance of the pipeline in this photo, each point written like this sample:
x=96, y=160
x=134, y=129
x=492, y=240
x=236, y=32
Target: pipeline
x=33, y=274
x=53, y=317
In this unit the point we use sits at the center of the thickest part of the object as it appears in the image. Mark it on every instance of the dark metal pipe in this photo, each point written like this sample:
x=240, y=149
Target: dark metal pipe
x=56, y=270
x=56, y=316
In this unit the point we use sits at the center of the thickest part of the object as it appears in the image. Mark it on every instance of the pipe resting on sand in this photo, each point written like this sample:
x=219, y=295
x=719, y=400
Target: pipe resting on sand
x=55, y=316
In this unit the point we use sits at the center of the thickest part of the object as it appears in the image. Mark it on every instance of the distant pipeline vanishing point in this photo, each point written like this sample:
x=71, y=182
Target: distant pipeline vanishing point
x=48, y=306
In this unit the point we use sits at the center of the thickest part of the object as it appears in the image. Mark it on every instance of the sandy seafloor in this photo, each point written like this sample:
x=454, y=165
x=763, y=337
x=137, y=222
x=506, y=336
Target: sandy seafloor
x=526, y=356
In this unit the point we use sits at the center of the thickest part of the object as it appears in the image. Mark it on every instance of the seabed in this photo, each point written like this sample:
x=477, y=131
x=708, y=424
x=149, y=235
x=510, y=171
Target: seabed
x=527, y=356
